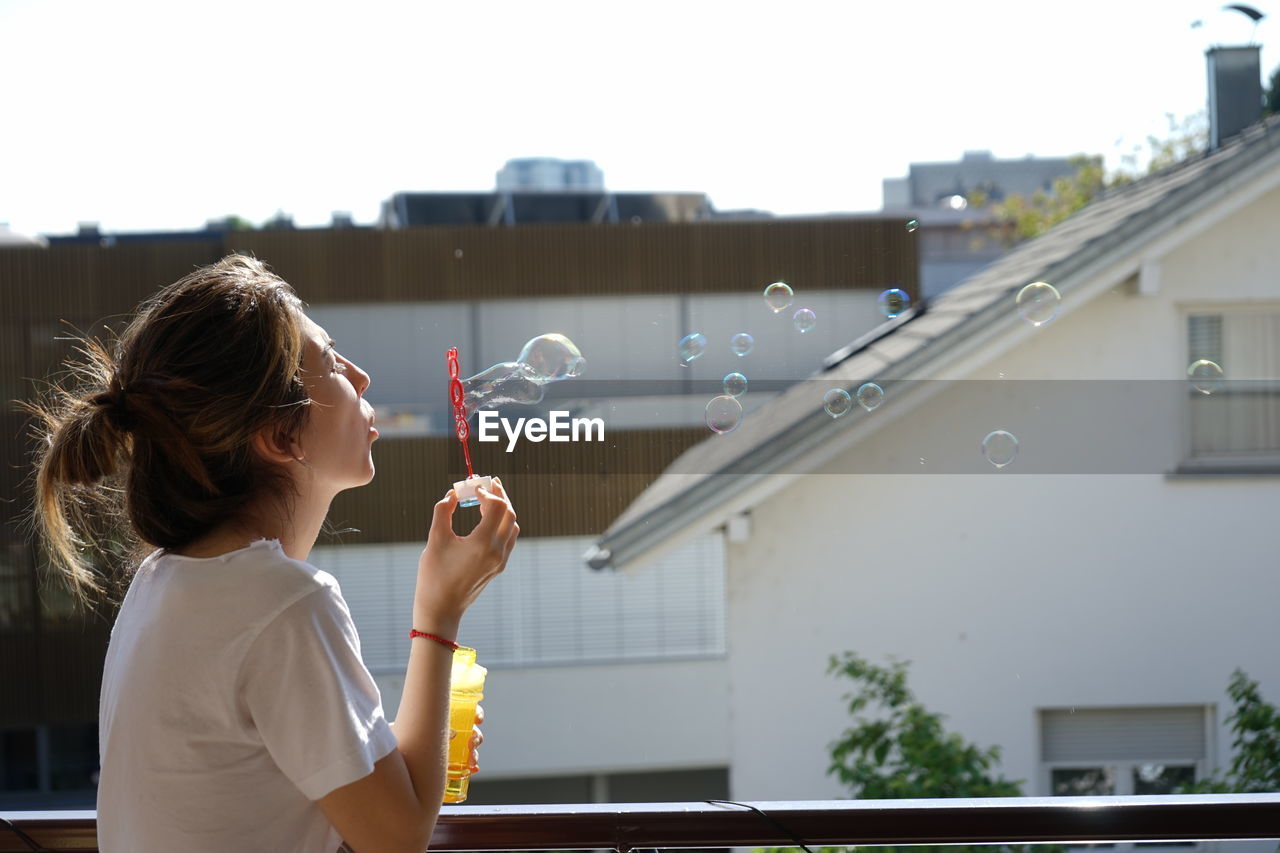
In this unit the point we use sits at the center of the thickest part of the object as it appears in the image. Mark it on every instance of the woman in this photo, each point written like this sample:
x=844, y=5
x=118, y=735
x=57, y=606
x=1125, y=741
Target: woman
x=236, y=713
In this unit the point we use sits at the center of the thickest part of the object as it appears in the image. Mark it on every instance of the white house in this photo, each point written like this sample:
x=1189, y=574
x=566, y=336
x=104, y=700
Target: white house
x=1083, y=606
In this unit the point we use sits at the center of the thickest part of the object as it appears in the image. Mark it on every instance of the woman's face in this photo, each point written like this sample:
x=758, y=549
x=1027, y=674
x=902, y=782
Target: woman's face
x=335, y=441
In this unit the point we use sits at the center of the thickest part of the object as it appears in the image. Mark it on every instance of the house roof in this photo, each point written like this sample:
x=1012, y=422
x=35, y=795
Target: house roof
x=1111, y=238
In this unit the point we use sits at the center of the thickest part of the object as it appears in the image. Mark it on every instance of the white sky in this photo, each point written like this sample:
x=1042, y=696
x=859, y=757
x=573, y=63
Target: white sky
x=161, y=115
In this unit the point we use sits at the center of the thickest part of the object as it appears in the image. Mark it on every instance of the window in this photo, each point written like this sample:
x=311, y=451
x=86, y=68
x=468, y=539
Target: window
x=547, y=607
x=1123, y=751
x=1235, y=422
x=19, y=762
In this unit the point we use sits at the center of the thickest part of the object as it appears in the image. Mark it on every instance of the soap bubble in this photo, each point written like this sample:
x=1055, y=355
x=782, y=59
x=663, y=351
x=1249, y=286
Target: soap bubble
x=1038, y=302
x=543, y=360
x=741, y=344
x=893, y=302
x=502, y=384
x=837, y=402
x=804, y=320
x=1000, y=448
x=692, y=346
x=723, y=414
x=870, y=395
x=1205, y=376
x=457, y=253
x=735, y=384
x=912, y=225
x=778, y=296
x=552, y=357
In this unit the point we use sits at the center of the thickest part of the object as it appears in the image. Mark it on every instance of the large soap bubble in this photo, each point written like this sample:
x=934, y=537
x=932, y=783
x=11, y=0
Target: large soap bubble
x=724, y=413
x=1038, y=302
x=552, y=357
x=543, y=360
x=778, y=296
x=1000, y=447
x=692, y=347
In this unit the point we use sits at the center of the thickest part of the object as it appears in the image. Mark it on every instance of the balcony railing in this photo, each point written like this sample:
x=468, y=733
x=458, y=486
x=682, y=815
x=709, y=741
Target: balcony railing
x=627, y=827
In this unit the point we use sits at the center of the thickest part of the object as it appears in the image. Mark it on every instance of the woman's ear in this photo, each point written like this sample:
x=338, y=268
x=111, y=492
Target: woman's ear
x=272, y=445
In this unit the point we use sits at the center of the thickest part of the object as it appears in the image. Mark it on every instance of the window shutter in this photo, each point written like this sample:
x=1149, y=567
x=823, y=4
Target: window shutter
x=1204, y=338
x=547, y=607
x=1124, y=734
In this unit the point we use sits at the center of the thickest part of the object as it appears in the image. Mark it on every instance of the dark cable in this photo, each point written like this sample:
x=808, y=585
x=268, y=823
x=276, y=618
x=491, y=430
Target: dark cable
x=769, y=818
x=18, y=832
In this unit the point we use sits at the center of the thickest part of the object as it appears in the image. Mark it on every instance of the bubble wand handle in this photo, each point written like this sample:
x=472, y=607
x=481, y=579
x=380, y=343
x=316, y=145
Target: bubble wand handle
x=458, y=397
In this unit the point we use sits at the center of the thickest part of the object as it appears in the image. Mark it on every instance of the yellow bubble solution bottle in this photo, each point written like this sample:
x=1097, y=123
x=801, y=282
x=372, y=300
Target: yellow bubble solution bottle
x=466, y=689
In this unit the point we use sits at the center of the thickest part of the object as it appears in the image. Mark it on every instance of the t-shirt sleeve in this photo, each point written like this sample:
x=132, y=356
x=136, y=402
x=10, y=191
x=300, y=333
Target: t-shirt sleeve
x=311, y=698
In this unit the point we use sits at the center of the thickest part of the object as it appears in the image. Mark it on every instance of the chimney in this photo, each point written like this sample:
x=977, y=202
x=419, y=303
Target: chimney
x=1235, y=91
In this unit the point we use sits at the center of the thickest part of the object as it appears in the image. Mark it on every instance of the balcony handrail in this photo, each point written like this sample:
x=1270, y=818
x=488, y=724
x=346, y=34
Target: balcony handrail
x=717, y=823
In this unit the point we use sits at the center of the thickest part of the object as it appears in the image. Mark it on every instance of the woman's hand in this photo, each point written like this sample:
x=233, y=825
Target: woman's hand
x=453, y=570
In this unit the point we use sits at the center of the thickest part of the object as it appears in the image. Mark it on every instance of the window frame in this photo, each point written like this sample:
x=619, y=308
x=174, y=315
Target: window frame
x=1231, y=462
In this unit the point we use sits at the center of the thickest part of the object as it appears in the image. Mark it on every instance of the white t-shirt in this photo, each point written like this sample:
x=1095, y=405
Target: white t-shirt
x=233, y=697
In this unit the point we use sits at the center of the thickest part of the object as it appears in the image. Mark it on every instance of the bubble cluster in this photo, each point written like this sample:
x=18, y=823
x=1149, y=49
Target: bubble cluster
x=1205, y=376
x=741, y=344
x=692, y=346
x=735, y=384
x=1038, y=302
x=778, y=296
x=724, y=414
x=804, y=320
x=1000, y=447
x=893, y=302
x=870, y=396
x=837, y=402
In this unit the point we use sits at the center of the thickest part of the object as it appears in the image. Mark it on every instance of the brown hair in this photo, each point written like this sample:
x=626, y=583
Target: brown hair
x=149, y=443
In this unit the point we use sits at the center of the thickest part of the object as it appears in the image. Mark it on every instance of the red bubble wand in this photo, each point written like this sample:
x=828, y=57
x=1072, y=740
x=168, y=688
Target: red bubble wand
x=466, y=489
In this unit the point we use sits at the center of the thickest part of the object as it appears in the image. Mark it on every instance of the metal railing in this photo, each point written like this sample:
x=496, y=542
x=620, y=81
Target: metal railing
x=720, y=823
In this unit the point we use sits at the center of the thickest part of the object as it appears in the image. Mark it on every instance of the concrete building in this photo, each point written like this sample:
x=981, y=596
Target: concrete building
x=955, y=240
x=550, y=174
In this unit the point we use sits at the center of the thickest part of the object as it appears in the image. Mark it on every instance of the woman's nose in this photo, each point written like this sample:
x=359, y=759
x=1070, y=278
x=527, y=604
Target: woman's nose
x=362, y=380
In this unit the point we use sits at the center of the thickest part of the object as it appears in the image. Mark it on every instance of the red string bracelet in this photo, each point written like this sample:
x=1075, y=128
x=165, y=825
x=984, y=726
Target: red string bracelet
x=414, y=632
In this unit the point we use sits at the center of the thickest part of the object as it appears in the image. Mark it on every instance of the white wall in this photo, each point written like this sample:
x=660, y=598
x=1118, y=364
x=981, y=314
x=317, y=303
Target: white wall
x=554, y=720
x=1012, y=592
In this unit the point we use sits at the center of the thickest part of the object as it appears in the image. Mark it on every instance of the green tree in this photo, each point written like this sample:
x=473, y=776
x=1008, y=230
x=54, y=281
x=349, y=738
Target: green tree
x=1271, y=95
x=901, y=749
x=895, y=748
x=1255, y=725
x=1021, y=217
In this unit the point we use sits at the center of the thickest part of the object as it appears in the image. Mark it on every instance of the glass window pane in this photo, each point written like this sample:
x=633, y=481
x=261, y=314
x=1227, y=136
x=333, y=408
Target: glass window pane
x=1083, y=781
x=18, y=767
x=1161, y=778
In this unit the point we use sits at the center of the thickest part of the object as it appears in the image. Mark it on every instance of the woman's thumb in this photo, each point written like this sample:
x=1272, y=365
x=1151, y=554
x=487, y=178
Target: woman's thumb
x=442, y=516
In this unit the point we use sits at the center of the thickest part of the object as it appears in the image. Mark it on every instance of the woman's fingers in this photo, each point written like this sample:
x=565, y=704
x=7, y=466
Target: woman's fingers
x=477, y=738
x=498, y=520
x=442, y=515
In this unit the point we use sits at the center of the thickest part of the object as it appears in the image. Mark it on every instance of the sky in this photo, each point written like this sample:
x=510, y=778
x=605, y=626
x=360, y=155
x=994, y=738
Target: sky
x=141, y=115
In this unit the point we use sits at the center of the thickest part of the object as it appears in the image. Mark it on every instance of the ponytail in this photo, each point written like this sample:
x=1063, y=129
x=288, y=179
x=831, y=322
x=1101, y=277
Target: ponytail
x=83, y=440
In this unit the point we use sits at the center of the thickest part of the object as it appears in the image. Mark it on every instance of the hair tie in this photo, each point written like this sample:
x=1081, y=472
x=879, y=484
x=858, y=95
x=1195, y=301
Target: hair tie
x=115, y=403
